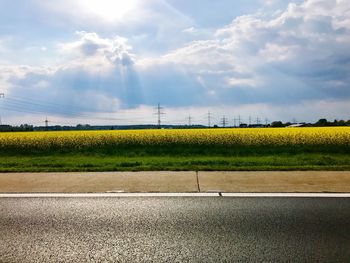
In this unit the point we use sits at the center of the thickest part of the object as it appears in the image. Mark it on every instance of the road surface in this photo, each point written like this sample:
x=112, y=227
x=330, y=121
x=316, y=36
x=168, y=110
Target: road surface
x=174, y=229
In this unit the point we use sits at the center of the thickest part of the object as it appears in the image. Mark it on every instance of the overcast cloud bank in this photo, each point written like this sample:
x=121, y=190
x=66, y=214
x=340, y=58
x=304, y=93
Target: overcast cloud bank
x=275, y=63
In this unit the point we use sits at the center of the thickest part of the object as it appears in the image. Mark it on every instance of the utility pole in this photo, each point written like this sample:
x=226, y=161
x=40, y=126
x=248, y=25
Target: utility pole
x=257, y=120
x=266, y=121
x=250, y=120
x=46, y=124
x=209, y=119
x=235, y=120
x=223, y=121
x=2, y=95
x=159, y=113
x=189, y=120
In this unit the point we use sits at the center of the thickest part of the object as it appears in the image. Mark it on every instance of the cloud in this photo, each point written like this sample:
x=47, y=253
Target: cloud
x=102, y=11
x=156, y=21
x=92, y=47
x=297, y=56
x=190, y=30
x=241, y=82
x=98, y=75
x=309, y=111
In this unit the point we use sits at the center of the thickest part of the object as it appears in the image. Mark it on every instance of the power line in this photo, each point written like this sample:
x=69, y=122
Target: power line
x=37, y=102
x=21, y=110
x=257, y=121
x=209, y=119
x=40, y=108
x=224, y=121
x=64, y=110
x=159, y=114
x=189, y=120
x=54, y=108
x=29, y=107
x=35, y=108
x=237, y=119
x=46, y=124
x=2, y=95
x=20, y=105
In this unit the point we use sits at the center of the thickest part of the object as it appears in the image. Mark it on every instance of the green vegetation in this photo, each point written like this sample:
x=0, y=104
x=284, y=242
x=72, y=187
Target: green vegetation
x=204, y=149
x=81, y=162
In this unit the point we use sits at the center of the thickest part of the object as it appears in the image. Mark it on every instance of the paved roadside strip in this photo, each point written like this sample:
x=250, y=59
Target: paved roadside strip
x=177, y=182
x=87, y=182
x=276, y=182
x=147, y=195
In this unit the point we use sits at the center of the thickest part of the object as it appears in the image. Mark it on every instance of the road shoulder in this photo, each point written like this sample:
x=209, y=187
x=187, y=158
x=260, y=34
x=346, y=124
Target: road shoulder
x=177, y=182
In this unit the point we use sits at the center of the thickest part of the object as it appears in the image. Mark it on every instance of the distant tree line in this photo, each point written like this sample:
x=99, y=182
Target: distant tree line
x=276, y=124
x=319, y=123
x=22, y=127
x=85, y=127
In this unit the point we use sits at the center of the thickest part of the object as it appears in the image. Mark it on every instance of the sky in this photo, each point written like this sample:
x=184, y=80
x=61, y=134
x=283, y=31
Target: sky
x=113, y=61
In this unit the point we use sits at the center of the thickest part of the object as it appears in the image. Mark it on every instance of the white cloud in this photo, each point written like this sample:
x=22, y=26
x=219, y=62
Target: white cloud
x=274, y=52
x=2, y=46
x=96, y=72
x=233, y=82
x=90, y=45
x=197, y=53
x=42, y=84
x=110, y=10
x=190, y=30
x=264, y=61
x=9, y=72
x=270, y=2
x=102, y=11
x=301, y=51
x=156, y=21
x=95, y=53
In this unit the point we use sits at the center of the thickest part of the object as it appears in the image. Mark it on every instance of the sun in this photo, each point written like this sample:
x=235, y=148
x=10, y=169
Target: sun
x=110, y=10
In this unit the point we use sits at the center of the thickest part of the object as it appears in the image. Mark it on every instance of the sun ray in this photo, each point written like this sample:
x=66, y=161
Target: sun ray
x=108, y=9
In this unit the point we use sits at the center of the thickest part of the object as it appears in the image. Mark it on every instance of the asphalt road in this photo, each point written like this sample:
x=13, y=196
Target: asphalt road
x=174, y=229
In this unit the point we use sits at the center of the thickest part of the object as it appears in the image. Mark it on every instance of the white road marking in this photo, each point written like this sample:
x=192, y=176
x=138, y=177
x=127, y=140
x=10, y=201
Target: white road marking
x=70, y=195
x=22, y=195
x=286, y=194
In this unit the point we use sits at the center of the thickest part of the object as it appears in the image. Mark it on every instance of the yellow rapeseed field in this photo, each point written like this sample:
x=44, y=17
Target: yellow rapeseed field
x=229, y=137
